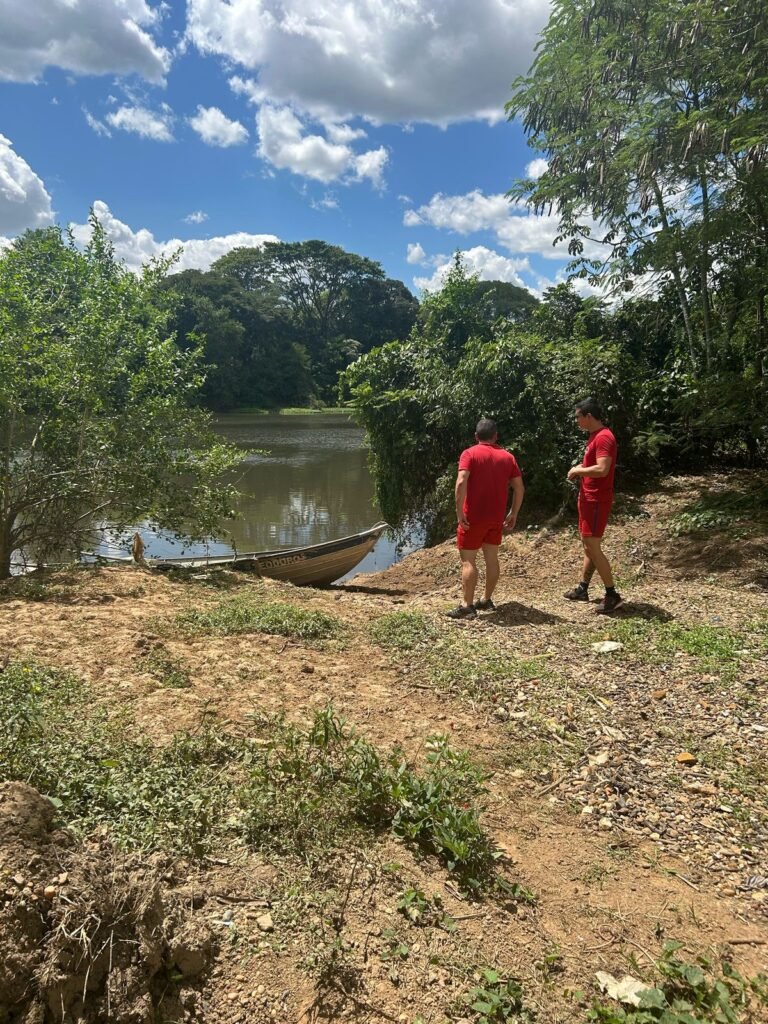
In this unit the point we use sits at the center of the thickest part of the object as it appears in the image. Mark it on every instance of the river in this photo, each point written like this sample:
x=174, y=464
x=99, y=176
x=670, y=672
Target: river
x=311, y=484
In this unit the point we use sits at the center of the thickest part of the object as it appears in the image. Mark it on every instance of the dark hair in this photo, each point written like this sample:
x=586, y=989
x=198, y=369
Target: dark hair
x=589, y=407
x=486, y=430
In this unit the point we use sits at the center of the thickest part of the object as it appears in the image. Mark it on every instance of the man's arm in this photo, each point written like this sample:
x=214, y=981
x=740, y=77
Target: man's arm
x=601, y=468
x=462, y=482
x=518, y=493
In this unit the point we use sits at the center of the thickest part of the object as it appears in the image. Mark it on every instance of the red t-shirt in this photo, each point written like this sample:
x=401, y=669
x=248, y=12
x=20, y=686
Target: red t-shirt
x=491, y=467
x=594, y=488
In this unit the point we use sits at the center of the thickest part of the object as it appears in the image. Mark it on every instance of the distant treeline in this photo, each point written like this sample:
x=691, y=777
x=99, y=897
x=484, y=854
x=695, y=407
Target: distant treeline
x=278, y=324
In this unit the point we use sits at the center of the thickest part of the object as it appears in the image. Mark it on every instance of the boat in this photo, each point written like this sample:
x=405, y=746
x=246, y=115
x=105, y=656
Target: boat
x=313, y=565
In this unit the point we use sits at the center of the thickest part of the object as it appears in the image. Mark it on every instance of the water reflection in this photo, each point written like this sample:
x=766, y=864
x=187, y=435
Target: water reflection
x=309, y=483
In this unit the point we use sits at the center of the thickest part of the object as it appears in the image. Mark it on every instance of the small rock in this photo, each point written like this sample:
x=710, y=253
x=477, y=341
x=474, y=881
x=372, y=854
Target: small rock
x=605, y=823
x=703, y=788
x=265, y=922
x=607, y=646
x=686, y=758
x=50, y=891
x=309, y=669
x=659, y=694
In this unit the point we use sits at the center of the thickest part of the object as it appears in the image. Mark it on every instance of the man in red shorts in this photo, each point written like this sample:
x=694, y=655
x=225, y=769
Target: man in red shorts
x=595, y=475
x=486, y=472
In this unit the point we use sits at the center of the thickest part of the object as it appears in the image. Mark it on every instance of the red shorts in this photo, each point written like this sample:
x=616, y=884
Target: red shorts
x=593, y=517
x=477, y=535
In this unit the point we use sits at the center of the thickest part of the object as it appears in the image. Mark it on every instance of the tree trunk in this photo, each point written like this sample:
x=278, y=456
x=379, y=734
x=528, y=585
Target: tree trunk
x=676, y=275
x=6, y=550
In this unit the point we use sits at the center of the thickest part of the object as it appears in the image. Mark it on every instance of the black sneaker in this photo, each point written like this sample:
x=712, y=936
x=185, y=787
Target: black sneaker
x=579, y=593
x=610, y=603
x=485, y=606
x=463, y=612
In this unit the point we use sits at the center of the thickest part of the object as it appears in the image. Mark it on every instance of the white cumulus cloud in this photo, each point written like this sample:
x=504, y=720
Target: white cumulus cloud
x=137, y=247
x=284, y=144
x=149, y=124
x=536, y=167
x=24, y=199
x=514, y=226
x=386, y=60
x=197, y=217
x=416, y=253
x=87, y=37
x=216, y=129
x=487, y=264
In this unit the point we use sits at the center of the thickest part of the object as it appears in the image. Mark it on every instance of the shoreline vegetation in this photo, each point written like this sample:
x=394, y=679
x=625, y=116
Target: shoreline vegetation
x=290, y=411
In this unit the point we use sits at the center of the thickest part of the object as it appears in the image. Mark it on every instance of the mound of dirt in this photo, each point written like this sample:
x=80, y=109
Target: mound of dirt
x=87, y=934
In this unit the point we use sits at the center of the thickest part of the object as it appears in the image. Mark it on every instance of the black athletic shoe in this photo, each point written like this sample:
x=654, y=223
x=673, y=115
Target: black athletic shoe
x=579, y=593
x=485, y=606
x=463, y=612
x=610, y=603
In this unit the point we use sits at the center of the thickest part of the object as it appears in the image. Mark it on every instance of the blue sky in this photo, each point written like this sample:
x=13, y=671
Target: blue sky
x=377, y=125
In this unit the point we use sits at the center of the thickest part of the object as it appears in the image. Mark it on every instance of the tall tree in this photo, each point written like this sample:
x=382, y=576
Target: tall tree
x=95, y=416
x=653, y=119
x=313, y=282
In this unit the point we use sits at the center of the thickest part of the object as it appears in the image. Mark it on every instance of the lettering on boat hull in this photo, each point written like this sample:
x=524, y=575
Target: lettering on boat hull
x=275, y=563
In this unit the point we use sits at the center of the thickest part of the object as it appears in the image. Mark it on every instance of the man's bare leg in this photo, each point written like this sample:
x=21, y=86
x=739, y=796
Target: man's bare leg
x=492, y=569
x=594, y=554
x=468, y=575
x=588, y=569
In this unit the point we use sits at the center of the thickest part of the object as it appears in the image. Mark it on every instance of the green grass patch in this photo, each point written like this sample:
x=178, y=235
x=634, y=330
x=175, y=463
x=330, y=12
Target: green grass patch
x=720, y=510
x=717, y=648
x=309, y=783
x=472, y=666
x=285, y=790
x=244, y=615
x=168, y=671
x=172, y=798
x=403, y=631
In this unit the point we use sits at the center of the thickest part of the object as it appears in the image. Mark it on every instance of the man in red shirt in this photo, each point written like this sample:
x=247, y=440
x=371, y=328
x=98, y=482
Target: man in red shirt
x=595, y=475
x=486, y=472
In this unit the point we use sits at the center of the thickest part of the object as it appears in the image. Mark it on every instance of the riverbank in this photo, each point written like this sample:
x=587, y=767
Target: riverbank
x=292, y=411
x=300, y=872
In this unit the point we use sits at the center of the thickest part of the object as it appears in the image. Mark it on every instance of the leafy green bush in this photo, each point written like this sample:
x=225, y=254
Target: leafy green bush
x=243, y=615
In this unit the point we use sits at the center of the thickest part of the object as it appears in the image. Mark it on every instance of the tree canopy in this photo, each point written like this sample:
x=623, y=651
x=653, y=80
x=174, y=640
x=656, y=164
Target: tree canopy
x=95, y=403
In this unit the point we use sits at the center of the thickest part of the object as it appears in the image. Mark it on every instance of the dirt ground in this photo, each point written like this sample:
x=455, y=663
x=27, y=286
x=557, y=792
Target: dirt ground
x=623, y=844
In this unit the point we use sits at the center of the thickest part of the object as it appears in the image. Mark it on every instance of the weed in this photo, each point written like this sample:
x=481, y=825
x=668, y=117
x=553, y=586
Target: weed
x=421, y=909
x=722, y=510
x=403, y=631
x=495, y=1001
x=171, y=798
x=690, y=994
x=394, y=947
x=287, y=790
x=168, y=671
x=472, y=667
x=305, y=788
x=243, y=615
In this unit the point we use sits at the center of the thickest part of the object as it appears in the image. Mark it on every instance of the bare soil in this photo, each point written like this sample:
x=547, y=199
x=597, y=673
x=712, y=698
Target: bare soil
x=623, y=845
